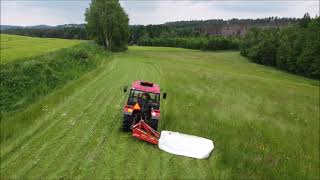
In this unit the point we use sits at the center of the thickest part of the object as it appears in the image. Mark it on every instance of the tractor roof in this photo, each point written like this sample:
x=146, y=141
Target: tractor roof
x=146, y=86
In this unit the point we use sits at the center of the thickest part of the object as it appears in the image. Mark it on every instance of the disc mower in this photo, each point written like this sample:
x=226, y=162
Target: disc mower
x=141, y=114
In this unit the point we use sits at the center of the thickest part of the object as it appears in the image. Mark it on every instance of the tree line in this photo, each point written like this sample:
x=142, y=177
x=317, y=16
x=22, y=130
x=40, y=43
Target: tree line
x=50, y=32
x=201, y=43
x=173, y=29
x=267, y=21
x=295, y=49
x=286, y=43
x=200, y=28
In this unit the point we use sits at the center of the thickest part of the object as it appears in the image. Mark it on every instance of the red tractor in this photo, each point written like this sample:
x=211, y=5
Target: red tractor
x=143, y=104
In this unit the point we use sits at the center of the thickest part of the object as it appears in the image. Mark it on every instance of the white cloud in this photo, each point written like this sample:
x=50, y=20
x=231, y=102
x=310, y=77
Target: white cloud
x=152, y=12
x=26, y=13
x=165, y=11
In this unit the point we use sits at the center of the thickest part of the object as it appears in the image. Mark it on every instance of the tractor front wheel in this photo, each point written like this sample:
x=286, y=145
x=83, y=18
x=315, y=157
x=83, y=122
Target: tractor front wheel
x=126, y=123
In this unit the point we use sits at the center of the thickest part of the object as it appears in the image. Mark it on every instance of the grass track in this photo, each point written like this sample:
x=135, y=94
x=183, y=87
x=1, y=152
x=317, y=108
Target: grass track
x=14, y=47
x=264, y=122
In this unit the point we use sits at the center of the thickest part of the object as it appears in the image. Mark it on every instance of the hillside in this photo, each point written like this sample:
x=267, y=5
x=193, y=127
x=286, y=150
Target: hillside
x=264, y=122
x=14, y=47
x=212, y=27
x=6, y=27
x=231, y=26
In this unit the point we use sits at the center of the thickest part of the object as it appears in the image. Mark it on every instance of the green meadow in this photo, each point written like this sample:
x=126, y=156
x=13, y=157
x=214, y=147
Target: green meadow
x=264, y=122
x=14, y=47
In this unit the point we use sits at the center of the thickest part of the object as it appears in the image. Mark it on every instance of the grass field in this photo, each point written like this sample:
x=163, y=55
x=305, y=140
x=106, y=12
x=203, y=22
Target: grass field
x=14, y=47
x=264, y=123
x=25, y=81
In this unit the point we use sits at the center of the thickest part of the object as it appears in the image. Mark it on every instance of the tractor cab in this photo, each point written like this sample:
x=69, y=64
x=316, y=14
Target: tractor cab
x=143, y=103
x=142, y=97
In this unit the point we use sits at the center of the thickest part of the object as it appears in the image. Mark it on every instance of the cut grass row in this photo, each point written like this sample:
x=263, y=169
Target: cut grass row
x=264, y=122
x=25, y=82
x=14, y=47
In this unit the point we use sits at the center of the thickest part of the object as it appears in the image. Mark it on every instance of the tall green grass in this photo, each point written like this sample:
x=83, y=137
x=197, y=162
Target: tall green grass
x=25, y=82
x=264, y=122
x=14, y=47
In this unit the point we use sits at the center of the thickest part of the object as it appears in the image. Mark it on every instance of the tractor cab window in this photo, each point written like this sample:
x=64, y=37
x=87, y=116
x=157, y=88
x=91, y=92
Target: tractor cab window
x=136, y=94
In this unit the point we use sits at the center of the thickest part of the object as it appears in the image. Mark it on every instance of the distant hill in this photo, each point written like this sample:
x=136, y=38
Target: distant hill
x=211, y=27
x=41, y=26
x=66, y=31
x=71, y=25
x=4, y=27
x=232, y=26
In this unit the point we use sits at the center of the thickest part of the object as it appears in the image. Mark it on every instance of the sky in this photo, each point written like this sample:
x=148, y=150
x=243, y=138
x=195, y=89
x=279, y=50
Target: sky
x=51, y=12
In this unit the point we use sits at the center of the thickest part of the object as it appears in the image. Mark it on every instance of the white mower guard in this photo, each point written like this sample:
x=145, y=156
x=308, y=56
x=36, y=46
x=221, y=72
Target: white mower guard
x=185, y=145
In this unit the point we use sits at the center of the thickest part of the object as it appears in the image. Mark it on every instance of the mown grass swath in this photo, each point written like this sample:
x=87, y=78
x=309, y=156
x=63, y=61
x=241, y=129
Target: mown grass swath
x=264, y=122
x=25, y=82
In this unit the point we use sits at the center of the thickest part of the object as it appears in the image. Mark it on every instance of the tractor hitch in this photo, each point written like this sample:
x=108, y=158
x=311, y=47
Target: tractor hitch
x=144, y=132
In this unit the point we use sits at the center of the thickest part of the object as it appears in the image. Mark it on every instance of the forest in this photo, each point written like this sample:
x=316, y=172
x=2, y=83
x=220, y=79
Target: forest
x=64, y=32
x=289, y=44
x=196, y=28
x=294, y=49
x=211, y=43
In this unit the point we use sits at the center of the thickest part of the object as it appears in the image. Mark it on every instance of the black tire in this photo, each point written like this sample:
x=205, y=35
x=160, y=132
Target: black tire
x=126, y=123
x=154, y=124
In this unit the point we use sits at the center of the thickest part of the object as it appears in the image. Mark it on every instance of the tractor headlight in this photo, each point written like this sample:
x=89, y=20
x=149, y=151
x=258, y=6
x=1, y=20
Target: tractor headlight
x=153, y=114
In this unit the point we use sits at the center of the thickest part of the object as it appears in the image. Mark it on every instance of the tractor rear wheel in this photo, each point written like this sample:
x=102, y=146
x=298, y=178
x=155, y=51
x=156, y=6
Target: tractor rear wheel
x=126, y=123
x=154, y=124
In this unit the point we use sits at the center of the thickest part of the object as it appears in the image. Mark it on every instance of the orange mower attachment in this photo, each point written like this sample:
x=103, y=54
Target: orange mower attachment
x=144, y=132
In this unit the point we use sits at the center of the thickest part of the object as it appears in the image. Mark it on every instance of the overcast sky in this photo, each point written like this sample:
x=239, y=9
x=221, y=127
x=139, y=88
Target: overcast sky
x=50, y=12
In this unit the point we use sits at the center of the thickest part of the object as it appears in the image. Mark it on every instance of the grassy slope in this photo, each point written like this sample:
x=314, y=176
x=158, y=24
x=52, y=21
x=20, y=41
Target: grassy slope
x=24, y=82
x=15, y=47
x=264, y=123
